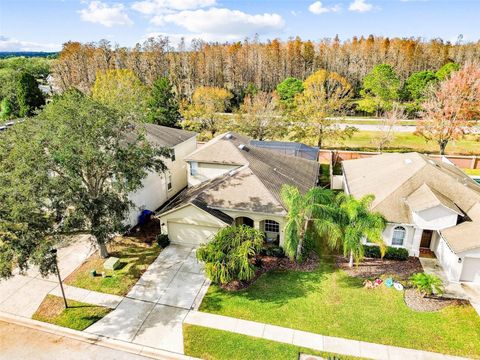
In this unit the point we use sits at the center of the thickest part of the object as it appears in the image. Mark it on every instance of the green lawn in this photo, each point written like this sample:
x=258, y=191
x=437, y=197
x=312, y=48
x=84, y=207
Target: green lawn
x=472, y=172
x=329, y=302
x=404, y=142
x=211, y=344
x=135, y=257
x=77, y=316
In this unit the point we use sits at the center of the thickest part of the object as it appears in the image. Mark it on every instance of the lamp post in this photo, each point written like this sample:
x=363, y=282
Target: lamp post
x=54, y=254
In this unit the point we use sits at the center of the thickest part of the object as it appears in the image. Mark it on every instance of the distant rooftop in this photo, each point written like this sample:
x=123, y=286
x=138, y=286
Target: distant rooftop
x=288, y=148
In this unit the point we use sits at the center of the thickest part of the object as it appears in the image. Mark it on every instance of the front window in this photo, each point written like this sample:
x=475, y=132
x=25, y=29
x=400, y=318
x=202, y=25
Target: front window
x=169, y=181
x=398, y=235
x=272, y=226
x=193, y=168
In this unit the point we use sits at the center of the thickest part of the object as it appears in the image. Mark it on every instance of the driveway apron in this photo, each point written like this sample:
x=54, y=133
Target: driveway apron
x=153, y=311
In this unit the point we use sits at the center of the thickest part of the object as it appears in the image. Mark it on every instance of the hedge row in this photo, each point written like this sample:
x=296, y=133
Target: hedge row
x=392, y=253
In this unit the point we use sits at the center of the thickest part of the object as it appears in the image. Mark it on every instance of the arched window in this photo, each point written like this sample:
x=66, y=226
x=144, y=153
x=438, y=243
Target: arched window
x=398, y=235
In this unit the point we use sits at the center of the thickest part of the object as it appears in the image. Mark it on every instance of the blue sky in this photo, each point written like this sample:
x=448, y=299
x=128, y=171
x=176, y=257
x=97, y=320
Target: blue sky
x=46, y=24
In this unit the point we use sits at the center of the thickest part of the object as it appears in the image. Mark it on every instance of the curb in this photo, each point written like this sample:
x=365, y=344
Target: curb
x=93, y=339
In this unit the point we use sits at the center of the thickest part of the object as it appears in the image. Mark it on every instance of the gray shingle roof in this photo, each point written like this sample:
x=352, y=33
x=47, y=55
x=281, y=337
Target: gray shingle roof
x=255, y=186
x=167, y=136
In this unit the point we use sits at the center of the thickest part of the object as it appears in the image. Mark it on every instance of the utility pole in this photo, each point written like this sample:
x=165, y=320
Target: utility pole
x=54, y=253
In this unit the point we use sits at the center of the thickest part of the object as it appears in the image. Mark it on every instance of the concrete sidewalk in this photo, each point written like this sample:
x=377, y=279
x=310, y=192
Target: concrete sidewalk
x=88, y=296
x=310, y=340
x=23, y=293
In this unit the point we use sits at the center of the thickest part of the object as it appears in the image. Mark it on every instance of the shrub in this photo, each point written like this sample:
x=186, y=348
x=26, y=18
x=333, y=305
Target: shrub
x=391, y=253
x=427, y=284
x=272, y=250
x=394, y=253
x=228, y=256
x=163, y=240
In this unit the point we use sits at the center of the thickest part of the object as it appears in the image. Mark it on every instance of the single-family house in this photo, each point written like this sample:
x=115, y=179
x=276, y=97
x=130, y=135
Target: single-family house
x=158, y=188
x=233, y=182
x=429, y=204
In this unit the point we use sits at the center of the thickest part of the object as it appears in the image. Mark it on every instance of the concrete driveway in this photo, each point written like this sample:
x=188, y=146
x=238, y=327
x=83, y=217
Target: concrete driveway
x=23, y=293
x=456, y=290
x=153, y=311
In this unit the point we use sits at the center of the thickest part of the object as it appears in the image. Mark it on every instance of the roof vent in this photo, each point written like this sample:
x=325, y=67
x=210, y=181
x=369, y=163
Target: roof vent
x=408, y=161
x=228, y=136
x=243, y=147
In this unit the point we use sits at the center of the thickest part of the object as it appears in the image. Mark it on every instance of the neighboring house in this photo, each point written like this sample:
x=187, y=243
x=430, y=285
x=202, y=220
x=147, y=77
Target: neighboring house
x=289, y=148
x=232, y=182
x=429, y=204
x=158, y=188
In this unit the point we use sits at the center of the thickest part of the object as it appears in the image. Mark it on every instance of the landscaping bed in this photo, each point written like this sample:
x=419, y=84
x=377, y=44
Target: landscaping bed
x=212, y=344
x=373, y=268
x=135, y=256
x=416, y=301
x=77, y=316
x=329, y=301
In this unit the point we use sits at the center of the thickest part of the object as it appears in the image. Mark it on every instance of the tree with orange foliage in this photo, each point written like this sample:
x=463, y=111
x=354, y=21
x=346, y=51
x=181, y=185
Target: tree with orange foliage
x=451, y=108
x=205, y=113
x=326, y=94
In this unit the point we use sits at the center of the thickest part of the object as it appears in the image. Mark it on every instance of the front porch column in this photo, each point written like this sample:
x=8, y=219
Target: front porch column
x=417, y=237
x=256, y=224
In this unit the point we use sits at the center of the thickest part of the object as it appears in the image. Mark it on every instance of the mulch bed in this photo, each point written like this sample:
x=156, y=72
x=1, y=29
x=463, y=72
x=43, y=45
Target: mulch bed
x=373, y=268
x=415, y=301
x=268, y=263
x=147, y=232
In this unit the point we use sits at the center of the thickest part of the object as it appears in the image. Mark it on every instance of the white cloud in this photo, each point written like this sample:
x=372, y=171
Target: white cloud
x=360, y=6
x=104, y=14
x=318, y=8
x=9, y=44
x=225, y=22
x=158, y=7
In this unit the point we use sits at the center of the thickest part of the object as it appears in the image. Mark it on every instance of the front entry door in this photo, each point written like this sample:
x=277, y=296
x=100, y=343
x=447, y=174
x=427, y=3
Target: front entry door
x=426, y=239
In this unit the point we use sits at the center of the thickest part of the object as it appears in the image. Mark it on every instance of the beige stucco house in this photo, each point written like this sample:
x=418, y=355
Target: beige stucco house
x=233, y=182
x=429, y=205
x=158, y=188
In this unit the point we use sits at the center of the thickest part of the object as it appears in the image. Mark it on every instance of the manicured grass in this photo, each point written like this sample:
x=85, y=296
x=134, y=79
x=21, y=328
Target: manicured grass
x=77, y=316
x=212, y=344
x=404, y=142
x=135, y=257
x=472, y=172
x=329, y=302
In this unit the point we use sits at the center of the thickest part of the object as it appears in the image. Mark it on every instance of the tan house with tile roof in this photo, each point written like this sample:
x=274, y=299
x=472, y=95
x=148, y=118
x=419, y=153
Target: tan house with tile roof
x=232, y=182
x=428, y=204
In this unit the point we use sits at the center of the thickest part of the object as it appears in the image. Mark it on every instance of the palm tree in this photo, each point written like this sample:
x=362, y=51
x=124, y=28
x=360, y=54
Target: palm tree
x=358, y=223
x=314, y=211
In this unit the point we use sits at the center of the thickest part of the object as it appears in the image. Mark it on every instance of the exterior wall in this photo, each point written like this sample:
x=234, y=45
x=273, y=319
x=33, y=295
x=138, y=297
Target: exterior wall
x=337, y=182
x=154, y=193
x=207, y=171
x=448, y=260
x=189, y=214
x=411, y=241
x=436, y=218
x=257, y=218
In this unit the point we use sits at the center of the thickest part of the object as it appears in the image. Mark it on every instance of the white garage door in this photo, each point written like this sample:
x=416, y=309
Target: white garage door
x=471, y=270
x=190, y=234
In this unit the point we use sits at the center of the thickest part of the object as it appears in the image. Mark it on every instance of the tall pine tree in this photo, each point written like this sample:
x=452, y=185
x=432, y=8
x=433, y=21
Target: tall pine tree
x=163, y=107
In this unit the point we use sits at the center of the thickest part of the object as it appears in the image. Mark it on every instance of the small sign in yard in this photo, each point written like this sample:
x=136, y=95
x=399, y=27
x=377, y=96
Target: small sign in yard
x=112, y=263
